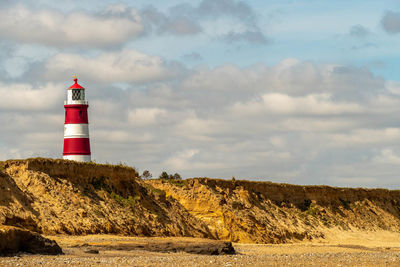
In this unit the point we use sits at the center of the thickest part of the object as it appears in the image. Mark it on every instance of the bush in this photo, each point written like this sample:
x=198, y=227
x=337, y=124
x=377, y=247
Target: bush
x=146, y=175
x=165, y=176
x=127, y=202
x=176, y=176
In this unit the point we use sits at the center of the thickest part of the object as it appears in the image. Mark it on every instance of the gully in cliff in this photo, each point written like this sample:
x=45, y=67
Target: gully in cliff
x=76, y=128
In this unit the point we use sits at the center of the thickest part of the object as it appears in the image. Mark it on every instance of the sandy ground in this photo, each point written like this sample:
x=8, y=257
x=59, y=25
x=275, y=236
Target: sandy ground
x=337, y=249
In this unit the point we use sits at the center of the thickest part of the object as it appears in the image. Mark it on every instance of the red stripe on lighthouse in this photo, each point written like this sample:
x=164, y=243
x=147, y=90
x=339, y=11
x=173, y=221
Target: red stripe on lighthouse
x=76, y=114
x=76, y=146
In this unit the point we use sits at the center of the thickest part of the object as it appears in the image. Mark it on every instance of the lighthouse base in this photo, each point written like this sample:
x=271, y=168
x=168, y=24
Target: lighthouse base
x=82, y=158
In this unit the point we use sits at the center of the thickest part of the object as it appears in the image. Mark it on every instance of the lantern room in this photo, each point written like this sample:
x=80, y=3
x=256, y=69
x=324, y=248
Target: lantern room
x=76, y=94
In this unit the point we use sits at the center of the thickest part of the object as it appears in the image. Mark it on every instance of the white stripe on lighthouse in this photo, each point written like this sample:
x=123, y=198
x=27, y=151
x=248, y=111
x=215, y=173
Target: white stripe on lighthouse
x=78, y=130
x=84, y=158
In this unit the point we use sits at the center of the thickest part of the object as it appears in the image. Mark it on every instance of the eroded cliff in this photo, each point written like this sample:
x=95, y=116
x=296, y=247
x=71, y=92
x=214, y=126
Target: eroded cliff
x=264, y=212
x=64, y=197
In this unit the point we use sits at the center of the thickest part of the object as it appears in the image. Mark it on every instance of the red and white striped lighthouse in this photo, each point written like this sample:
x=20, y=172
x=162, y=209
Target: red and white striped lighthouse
x=76, y=127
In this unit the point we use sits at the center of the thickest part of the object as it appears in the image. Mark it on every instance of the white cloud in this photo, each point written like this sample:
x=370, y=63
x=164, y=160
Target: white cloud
x=51, y=27
x=180, y=161
x=24, y=96
x=277, y=141
x=146, y=116
x=224, y=78
x=387, y=156
x=316, y=104
x=193, y=126
x=292, y=122
x=359, y=137
x=393, y=87
x=122, y=66
x=121, y=136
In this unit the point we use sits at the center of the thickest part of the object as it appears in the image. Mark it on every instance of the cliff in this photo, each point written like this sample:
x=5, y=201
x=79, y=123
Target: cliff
x=264, y=212
x=64, y=197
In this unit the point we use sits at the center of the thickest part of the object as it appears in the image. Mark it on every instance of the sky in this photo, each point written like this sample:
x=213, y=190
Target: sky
x=301, y=92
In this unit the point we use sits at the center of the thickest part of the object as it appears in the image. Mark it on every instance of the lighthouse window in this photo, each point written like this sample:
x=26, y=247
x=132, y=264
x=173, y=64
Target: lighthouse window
x=76, y=94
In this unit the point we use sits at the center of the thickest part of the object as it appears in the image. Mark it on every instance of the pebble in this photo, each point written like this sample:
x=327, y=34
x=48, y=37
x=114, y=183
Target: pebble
x=182, y=259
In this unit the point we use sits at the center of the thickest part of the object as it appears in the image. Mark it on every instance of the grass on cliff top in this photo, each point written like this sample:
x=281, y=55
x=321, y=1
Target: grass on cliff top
x=175, y=182
x=64, y=161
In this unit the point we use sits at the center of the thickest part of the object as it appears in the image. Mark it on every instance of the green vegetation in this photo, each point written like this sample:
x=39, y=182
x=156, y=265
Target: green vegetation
x=312, y=210
x=165, y=176
x=305, y=205
x=127, y=202
x=174, y=179
x=99, y=183
x=158, y=192
x=345, y=203
x=179, y=183
x=146, y=175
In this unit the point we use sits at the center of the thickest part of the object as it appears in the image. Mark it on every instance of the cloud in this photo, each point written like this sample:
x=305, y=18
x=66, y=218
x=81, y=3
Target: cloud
x=393, y=87
x=320, y=104
x=391, y=22
x=118, y=24
x=180, y=160
x=297, y=78
x=145, y=116
x=194, y=56
x=387, y=156
x=194, y=128
x=121, y=66
x=359, y=31
x=295, y=121
x=167, y=23
x=184, y=19
x=23, y=96
x=364, y=46
x=359, y=137
x=237, y=9
x=51, y=27
x=223, y=78
x=255, y=37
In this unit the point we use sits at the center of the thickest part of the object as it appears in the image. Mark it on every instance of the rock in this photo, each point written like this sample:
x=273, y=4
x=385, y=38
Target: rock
x=92, y=251
x=14, y=240
x=192, y=246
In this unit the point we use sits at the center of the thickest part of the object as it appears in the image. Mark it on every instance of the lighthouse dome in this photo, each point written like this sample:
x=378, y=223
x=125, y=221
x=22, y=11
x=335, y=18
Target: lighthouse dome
x=76, y=85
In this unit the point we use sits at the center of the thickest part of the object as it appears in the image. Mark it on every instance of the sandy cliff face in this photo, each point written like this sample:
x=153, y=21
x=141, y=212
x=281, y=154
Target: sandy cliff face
x=264, y=212
x=64, y=197
x=57, y=196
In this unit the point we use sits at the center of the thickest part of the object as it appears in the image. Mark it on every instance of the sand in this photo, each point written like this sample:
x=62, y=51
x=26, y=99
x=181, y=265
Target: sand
x=338, y=248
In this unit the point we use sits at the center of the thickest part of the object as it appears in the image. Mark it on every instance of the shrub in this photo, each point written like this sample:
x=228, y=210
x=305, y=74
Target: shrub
x=165, y=176
x=127, y=202
x=176, y=176
x=146, y=175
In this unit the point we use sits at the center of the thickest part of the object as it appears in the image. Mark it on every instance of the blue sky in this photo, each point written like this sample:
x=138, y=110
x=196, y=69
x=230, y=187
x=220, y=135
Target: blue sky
x=304, y=92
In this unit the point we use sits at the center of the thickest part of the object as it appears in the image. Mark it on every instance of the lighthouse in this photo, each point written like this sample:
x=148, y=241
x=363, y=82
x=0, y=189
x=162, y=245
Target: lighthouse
x=76, y=127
